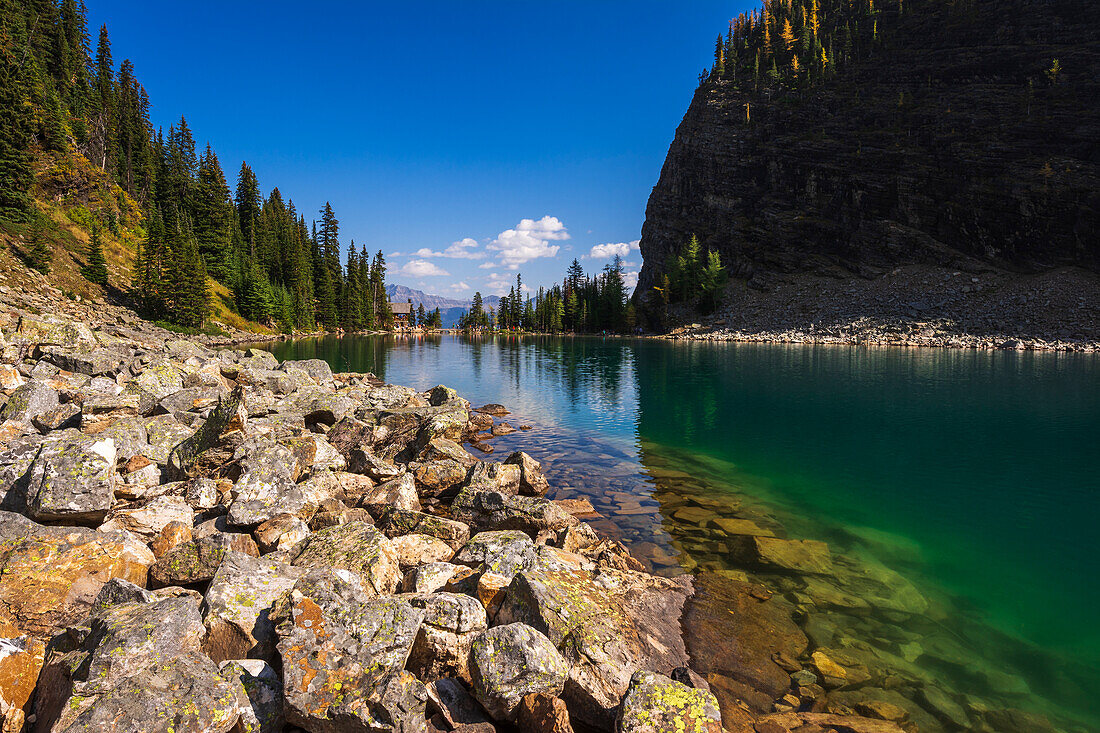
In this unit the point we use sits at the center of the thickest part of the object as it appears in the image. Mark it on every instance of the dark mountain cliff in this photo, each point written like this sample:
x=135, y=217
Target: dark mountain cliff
x=950, y=143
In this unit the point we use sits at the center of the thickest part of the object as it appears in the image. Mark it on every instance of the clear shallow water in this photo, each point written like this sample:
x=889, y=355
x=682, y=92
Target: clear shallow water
x=976, y=475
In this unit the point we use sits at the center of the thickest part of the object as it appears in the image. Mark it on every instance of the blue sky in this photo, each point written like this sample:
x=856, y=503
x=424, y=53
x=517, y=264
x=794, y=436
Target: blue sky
x=529, y=133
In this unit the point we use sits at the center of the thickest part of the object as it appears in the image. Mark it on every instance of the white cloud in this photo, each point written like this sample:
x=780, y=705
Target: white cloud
x=607, y=251
x=486, y=265
x=530, y=240
x=464, y=249
x=459, y=287
x=630, y=280
x=422, y=268
x=499, y=283
x=460, y=250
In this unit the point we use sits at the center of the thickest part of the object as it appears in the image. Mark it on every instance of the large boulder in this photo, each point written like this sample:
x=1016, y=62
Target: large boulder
x=501, y=477
x=264, y=691
x=238, y=604
x=396, y=521
x=531, y=480
x=442, y=647
x=33, y=398
x=198, y=560
x=503, y=552
x=399, y=493
x=804, y=557
x=654, y=703
x=511, y=661
x=417, y=549
x=358, y=547
x=608, y=624
x=72, y=479
x=148, y=519
x=266, y=485
x=136, y=667
x=49, y=576
x=343, y=655
x=493, y=510
x=49, y=330
x=318, y=370
x=16, y=457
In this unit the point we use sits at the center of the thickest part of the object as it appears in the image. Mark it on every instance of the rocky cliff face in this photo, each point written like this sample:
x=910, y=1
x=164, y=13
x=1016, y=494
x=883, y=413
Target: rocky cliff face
x=950, y=145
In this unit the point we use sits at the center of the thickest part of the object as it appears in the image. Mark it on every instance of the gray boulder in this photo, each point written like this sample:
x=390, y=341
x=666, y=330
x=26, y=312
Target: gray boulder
x=503, y=552
x=317, y=369
x=136, y=667
x=508, y=662
x=358, y=547
x=396, y=521
x=531, y=480
x=266, y=485
x=198, y=560
x=442, y=647
x=607, y=623
x=72, y=479
x=264, y=692
x=33, y=398
x=399, y=493
x=343, y=655
x=493, y=510
x=238, y=603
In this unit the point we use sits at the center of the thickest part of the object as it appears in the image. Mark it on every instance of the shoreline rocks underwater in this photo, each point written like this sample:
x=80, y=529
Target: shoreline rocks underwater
x=195, y=539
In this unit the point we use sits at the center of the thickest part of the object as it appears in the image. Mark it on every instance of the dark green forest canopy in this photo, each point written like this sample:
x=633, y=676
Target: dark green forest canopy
x=59, y=98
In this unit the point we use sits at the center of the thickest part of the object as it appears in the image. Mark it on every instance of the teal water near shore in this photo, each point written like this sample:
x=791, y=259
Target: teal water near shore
x=975, y=475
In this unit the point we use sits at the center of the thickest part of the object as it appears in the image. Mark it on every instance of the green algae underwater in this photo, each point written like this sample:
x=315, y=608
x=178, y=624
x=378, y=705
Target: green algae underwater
x=968, y=476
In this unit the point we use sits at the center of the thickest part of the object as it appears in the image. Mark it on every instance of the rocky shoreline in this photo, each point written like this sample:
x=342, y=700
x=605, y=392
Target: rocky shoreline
x=909, y=306
x=208, y=540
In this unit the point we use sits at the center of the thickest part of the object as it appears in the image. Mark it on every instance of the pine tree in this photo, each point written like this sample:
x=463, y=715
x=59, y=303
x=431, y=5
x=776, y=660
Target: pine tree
x=15, y=131
x=37, y=255
x=95, y=267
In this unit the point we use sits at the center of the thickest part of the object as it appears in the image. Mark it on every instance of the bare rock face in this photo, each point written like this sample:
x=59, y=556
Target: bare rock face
x=607, y=623
x=656, y=703
x=844, y=178
x=49, y=576
x=136, y=664
x=358, y=547
x=238, y=603
x=27, y=402
x=343, y=654
x=512, y=661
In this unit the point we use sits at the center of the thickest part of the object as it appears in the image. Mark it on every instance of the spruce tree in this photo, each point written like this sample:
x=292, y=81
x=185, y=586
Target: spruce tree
x=95, y=266
x=15, y=131
x=37, y=254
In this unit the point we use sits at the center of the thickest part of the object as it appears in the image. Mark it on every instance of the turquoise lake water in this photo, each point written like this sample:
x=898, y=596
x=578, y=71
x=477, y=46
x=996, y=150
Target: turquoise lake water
x=976, y=474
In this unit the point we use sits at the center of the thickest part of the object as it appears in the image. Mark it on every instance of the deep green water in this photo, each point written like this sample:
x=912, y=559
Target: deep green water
x=978, y=473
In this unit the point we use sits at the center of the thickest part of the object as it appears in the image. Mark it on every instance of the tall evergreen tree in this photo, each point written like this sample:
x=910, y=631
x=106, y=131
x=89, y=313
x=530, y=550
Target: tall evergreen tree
x=95, y=267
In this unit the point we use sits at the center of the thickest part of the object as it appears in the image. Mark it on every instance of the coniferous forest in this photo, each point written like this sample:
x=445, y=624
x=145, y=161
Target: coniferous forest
x=77, y=134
